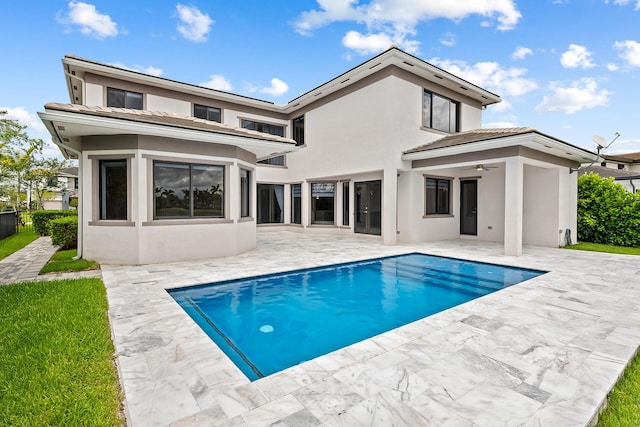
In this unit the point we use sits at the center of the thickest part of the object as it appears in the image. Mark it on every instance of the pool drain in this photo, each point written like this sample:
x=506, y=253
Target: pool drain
x=266, y=329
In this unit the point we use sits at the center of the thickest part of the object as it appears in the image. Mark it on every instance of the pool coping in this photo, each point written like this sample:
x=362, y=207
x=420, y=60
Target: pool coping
x=482, y=362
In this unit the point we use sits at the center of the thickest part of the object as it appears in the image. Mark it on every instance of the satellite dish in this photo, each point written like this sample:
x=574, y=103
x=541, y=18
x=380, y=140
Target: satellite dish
x=599, y=140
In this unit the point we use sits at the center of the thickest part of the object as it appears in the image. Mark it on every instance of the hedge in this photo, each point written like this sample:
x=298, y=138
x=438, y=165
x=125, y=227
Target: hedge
x=64, y=232
x=607, y=212
x=41, y=219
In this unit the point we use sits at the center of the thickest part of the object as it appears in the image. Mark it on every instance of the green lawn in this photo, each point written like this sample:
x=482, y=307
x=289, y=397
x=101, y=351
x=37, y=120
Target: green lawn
x=597, y=247
x=63, y=261
x=14, y=243
x=56, y=355
x=624, y=400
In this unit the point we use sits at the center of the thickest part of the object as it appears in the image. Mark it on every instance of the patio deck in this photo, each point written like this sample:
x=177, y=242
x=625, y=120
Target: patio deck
x=545, y=352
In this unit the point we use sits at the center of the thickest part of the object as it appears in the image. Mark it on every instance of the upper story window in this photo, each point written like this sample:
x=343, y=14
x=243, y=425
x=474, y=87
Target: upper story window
x=298, y=130
x=207, y=113
x=119, y=98
x=262, y=127
x=275, y=161
x=439, y=113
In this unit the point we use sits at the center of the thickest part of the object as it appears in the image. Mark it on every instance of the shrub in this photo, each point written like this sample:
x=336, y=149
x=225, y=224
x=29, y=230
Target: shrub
x=64, y=232
x=41, y=219
x=73, y=203
x=607, y=212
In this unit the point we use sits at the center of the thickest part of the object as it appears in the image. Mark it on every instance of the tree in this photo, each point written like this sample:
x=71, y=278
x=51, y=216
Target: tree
x=17, y=154
x=42, y=177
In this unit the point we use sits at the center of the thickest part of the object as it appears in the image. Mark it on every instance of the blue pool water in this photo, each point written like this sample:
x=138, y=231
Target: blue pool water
x=266, y=324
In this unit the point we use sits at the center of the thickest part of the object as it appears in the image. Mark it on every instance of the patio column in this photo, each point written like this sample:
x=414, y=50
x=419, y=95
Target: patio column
x=513, y=201
x=389, y=206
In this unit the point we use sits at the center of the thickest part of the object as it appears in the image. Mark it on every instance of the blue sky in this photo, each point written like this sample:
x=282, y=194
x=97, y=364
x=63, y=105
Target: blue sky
x=569, y=68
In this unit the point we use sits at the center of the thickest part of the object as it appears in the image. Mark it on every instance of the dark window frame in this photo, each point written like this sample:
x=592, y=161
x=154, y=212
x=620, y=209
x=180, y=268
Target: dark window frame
x=270, y=215
x=318, y=201
x=245, y=193
x=268, y=128
x=439, y=205
x=192, y=208
x=105, y=202
x=345, y=204
x=296, y=204
x=453, y=126
x=297, y=130
x=213, y=114
x=127, y=99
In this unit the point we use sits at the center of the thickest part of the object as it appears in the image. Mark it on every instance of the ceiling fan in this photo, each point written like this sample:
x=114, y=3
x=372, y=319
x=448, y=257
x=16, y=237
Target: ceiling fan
x=481, y=167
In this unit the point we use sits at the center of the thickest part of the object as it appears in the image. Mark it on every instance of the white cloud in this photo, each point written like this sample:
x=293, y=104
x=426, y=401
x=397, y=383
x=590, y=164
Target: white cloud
x=91, y=22
x=249, y=87
x=630, y=51
x=153, y=71
x=625, y=2
x=490, y=75
x=449, y=39
x=194, y=25
x=521, y=52
x=396, y=20
x=25, y=118
x=366, y=44
x=612, y=67
x=277, y=88
x=581, y=94
x=576, y=57
x=218, y=82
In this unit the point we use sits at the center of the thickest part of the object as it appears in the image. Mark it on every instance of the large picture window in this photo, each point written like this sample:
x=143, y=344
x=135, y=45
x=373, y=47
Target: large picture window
x=270, y=204
x=323, y=203
x=437, y=196
x=245, y=193
x=439, y=113
x=119, y=98
x=113, y=189
x=296, y=203
x=184, y=190
x=207, y=113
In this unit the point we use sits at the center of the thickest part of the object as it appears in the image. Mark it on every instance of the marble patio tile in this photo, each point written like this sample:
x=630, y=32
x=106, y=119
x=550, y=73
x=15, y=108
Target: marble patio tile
x=213, y=416
x=327, y=397
x=302, y=418
x=385, y=409
x=268, y=389
x=625, y=335
x=551, y=415
x=251, y=395
x=284, y=382
x=489, y=405
x=273, y=412
x=232, y=403
x=608, y=349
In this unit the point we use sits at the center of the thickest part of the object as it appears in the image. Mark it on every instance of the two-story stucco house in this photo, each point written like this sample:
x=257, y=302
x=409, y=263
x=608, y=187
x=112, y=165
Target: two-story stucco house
x=392, y=148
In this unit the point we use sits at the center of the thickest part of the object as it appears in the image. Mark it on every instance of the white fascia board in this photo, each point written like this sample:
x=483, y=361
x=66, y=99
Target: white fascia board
x=132, y=127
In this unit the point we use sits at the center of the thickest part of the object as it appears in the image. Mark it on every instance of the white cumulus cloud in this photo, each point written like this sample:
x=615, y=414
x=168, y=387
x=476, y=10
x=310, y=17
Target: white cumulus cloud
x=625, y=2
x=194, y=25
x=576, y=57
x=277, y=88
x=579, y=95
x=153, y=71
x=91, y=22
x=521, y=52
x=449, y=39
x=499, y=125
x=218, y=82
x=630, y=51
x=491, y=76
x=25, y=118
x=396, y=20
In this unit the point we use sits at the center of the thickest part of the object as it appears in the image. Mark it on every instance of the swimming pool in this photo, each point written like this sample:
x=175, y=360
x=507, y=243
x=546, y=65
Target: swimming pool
x=268, y=323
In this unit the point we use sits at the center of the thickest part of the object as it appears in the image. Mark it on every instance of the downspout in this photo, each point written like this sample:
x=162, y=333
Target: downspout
x=633, y=187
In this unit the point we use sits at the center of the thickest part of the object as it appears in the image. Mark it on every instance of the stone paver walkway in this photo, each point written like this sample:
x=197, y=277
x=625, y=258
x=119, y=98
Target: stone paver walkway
x=25, y=264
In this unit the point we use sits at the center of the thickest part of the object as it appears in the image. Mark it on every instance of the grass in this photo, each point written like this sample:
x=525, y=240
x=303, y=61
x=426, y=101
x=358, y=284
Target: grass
x=56, y=355
x=63, y=261
x=15, y=242
x=624, y=400
x=597, y=247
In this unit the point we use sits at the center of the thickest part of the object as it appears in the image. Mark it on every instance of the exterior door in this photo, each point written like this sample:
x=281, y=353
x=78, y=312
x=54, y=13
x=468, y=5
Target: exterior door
x=368, y=203
x=469, y=207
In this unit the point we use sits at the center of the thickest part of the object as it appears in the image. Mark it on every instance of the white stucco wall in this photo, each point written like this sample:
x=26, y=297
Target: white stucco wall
x=94, y=94
x=541, y=206
x=162, y=103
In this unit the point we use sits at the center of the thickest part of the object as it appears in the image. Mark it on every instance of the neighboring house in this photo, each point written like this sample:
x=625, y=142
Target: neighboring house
x=65, y=188
x=172, y=171
x=626, y=178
